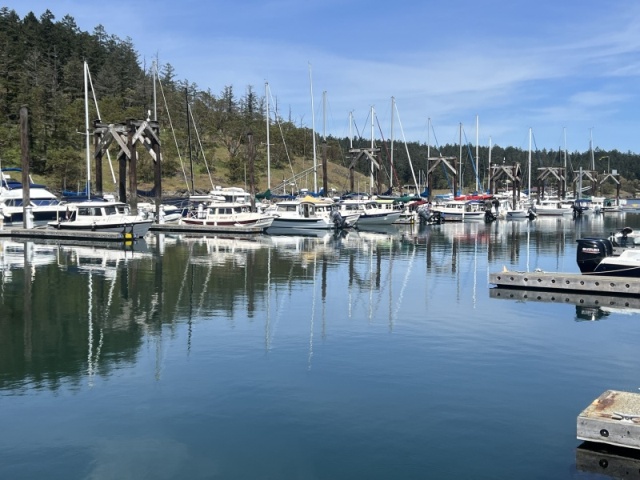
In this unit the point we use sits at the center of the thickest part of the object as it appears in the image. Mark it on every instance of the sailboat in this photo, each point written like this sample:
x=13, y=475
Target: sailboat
x=99, y=214
x=523, y=209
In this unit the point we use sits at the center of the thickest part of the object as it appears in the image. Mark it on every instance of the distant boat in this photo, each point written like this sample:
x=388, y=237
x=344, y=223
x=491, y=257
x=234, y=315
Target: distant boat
x=461, y=210
x=372, y=211
x=311, y=212
x=554, y=207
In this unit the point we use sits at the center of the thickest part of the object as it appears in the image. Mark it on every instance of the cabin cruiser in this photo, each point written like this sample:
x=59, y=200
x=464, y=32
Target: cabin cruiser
x=228, y=214
x=372, y=211
x=554, y=207
x=311, y=212
x=45, y=206
x=102, y=215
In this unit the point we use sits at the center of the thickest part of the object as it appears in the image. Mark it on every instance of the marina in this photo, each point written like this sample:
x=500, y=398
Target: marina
x=185, y=350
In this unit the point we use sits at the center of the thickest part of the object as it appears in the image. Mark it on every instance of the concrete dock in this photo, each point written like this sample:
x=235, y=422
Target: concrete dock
x=573, y=282
x=613, y=418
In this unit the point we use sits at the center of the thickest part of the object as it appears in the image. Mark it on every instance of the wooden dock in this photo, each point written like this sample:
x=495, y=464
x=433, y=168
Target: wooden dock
x=613, y=418
x=568, y=282
x=53, y=233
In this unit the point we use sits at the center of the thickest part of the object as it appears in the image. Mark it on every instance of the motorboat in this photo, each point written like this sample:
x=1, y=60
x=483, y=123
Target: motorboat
x=372, y=211
x=462, y=210
x=554, y=207
x=168, y=213
x=226, y=214
x=311, y=212
x=595, y=256
x=101, y=215
x=44, y=205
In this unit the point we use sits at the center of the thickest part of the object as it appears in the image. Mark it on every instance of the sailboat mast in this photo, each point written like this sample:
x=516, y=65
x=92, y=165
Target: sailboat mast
x=393, y=100
x=460, y=145
x=489, y=185
x=350, y=130
x=86, y=127
x=372, y=147
x=266, y=94
x=529, y=168
x=313, y=128
x=155, y=103
x=593, y=163
x=477, y=155
x=564, y=134
x=186, y=97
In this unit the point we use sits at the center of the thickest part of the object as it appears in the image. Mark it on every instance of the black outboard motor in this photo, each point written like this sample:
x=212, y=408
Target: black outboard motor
x=591, y=251
x=338, y=221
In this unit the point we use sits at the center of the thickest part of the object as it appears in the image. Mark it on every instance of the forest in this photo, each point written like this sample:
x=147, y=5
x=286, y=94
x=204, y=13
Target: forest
x=41, y=67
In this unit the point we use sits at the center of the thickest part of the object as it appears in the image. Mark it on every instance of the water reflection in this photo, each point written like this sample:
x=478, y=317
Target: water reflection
x=206, y=350
x=589, y=307
x=75, y=310
x=607, y=461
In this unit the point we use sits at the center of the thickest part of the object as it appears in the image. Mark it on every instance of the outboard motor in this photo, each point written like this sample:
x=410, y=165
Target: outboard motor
x=591, y=251
x=338, y=221
x=424, y=214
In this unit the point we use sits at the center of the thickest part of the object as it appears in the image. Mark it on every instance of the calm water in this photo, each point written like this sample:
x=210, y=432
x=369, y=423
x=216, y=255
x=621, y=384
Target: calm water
x=365, y=355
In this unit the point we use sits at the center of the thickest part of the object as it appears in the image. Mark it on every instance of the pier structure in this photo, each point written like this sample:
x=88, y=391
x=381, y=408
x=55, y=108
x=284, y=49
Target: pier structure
x=449, y=164
x=511, y=174
x=552, y=175
x=127, y=136
x=613, y=177
x=365, y=153
x=579, y=179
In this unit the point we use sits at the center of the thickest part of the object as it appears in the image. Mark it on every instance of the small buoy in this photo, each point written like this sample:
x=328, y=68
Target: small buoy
x=128, y=236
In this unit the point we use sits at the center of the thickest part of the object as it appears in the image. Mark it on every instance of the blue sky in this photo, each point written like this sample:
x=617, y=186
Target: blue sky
x=562, y=68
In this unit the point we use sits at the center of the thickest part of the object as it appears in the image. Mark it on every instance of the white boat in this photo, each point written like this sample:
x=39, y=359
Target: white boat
x=554, y=207
x=223, y=194
x=169, y=213
x=372, y=211
x=520, y=211
x=227, y=214
x=606, y=205
x=311, y=212
x=100, y=215
x=45, y=206
x=461, y=210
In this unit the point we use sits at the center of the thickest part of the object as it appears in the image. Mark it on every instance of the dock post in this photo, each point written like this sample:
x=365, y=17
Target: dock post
x=28, y=216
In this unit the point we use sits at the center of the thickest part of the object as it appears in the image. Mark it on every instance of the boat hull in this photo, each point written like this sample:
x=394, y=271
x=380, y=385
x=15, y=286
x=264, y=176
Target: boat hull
x=137, y=229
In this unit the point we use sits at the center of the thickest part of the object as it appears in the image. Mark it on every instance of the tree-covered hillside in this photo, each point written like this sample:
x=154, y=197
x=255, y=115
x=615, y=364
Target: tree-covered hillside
x=41, y=66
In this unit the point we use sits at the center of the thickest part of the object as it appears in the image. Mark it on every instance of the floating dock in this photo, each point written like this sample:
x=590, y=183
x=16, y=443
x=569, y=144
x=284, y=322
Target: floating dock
x=590, y=299
x=53, y=233
x=613, y=418
x=568, y=282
